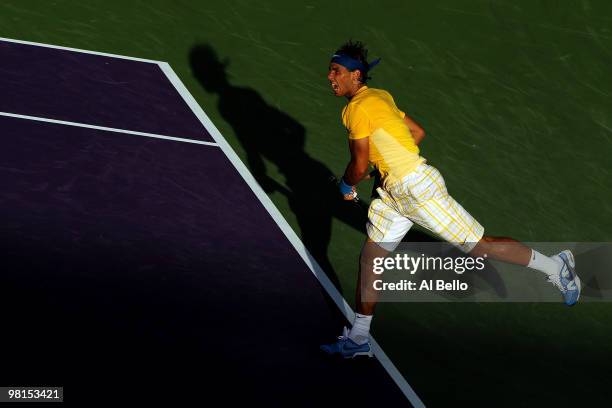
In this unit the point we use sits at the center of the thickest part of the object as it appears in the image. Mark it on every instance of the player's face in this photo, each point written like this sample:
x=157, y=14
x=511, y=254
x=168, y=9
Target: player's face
x=341, y=80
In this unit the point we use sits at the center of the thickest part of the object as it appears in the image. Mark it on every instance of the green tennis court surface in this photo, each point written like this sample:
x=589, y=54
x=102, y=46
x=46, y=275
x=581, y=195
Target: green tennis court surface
x=515, y=98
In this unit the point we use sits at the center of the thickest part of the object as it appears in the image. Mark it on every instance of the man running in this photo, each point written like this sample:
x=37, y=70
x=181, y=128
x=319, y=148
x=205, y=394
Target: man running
x=411, y=191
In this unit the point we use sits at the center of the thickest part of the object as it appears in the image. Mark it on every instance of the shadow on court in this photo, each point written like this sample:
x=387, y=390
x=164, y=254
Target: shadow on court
x=267, y=133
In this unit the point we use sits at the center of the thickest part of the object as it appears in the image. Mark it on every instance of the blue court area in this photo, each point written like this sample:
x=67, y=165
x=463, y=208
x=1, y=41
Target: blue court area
x=137, y=268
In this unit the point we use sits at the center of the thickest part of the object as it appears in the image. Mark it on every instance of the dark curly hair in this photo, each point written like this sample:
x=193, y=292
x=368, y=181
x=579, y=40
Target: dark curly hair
x=358, y=51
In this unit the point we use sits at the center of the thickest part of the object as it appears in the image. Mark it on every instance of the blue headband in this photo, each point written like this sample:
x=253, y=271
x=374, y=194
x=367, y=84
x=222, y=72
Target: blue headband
x=352, y=64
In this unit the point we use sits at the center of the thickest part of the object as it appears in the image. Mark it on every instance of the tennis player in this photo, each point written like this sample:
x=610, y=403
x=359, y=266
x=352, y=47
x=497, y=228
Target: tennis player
x=411, y=191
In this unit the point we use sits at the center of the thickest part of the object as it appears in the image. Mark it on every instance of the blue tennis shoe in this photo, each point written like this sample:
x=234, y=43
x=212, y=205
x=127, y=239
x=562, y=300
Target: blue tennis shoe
x=347, y=348
x=567, y=281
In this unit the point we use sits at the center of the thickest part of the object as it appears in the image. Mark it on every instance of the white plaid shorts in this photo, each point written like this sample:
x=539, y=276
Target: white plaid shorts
x=421, y=198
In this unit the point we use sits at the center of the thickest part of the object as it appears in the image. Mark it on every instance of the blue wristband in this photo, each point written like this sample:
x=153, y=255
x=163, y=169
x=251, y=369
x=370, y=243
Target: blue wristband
x=345, y=188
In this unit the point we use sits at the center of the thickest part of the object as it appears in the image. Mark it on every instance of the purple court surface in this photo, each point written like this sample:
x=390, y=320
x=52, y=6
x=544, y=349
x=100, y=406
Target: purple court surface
x=142, y=269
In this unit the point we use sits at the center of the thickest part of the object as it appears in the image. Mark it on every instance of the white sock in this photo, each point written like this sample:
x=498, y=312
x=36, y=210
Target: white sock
x=360, y=333
x=543, y=263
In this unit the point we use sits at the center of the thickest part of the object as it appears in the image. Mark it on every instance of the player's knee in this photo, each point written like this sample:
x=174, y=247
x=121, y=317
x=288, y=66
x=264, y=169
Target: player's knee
x=370, y=252
x=491, y=246
x=482, y=247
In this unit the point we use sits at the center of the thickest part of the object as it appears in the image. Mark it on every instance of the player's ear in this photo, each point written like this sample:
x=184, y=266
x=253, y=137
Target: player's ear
x=356, y=76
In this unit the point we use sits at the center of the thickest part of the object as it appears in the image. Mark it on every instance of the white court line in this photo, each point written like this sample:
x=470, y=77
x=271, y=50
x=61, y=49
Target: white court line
x=107, y=129
x=57, y=47
x=288, y=231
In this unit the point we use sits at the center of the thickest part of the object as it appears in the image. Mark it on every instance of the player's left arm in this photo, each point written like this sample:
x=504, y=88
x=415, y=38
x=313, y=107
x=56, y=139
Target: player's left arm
x=357, y=169
x=417, y=132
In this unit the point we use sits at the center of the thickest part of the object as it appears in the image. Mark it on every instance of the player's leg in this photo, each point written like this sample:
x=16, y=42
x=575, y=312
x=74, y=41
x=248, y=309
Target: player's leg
x=558, y=268
x=502, y=249
x=366, y=297
x=433, y=208
x=385, y=228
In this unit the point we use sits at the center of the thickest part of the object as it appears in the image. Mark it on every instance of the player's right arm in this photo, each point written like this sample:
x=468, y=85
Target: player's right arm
x=357, y=169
